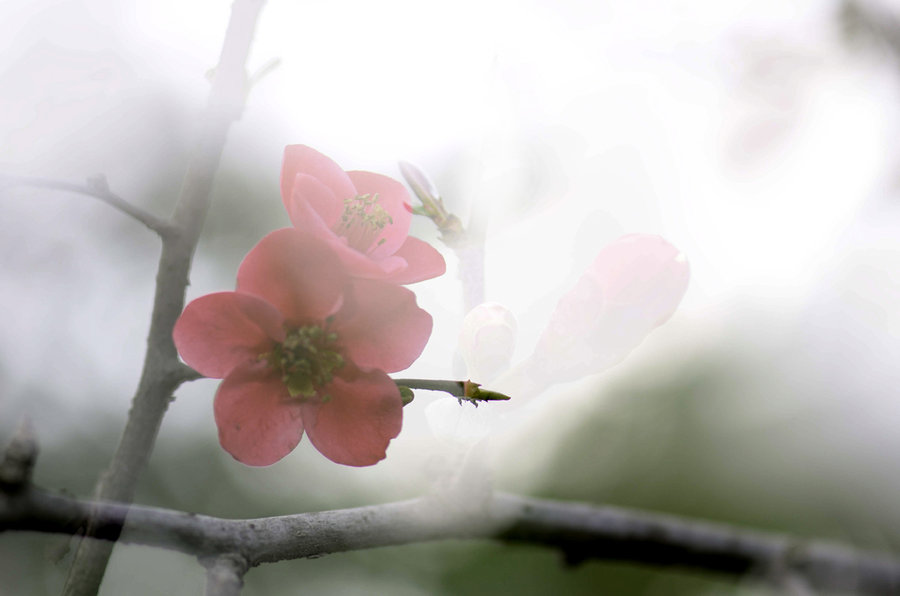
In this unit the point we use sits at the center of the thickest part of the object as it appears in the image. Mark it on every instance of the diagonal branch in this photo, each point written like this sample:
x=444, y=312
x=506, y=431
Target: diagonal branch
x=581, y=532
x=95, y=187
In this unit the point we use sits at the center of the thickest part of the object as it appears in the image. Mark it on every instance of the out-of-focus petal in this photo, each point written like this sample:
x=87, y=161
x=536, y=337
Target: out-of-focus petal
x=300, y=159
x=298, y=274
x=380, y=326
x=257, y=425
x=217, y=332
x=423, y=262
x=645, y=270
x=633, y=285
x=393, y=198
x=363, y=413
x=318, y=197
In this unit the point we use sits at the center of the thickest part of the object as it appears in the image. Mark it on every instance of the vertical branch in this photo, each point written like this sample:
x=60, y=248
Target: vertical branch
x=161, y=372
x=471, y=270
x=225, y=575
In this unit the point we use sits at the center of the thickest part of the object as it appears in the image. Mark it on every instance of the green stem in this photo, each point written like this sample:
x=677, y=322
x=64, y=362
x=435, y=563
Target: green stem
x=461, y=390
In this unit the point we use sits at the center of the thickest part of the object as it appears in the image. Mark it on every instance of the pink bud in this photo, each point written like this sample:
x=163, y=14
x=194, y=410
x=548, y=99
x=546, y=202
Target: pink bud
x=633, y=285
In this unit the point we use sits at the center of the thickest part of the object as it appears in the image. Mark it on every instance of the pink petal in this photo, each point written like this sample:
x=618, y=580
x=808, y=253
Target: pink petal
x=297, y=273
x=320, y=198
x=257, y=425
x=393, y=198
x=381, y=327
x=307, y=220
x=217, y=332
x=642, y=270
x=363, y=413
x=300, y=159
x=634, y=285
x=423, y=262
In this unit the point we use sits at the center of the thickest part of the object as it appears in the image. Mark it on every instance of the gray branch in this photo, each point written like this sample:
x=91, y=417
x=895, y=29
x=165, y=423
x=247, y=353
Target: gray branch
x=97, y=188
x=580, y=532
x=162, y=372
x=225, y=575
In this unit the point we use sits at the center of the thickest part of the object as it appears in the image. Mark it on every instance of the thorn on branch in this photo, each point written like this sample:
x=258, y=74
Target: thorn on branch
x=184, y=373
x=19, y=458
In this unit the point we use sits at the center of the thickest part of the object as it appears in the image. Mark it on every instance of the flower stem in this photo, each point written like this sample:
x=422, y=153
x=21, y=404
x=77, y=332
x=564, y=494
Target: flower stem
x=461, y=390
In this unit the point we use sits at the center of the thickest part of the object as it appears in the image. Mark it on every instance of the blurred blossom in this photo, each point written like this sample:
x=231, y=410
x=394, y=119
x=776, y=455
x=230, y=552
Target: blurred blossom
x=487, y=340
x=633, y=285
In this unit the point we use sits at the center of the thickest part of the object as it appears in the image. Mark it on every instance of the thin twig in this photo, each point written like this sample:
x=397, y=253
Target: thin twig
x=97, y=188
x=462, y=390
x=158, y=382
x=581, y=532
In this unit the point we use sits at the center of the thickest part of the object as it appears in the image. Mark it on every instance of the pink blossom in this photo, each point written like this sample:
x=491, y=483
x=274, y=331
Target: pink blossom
x=633, y=285
x=363, y=216
x=303, y=347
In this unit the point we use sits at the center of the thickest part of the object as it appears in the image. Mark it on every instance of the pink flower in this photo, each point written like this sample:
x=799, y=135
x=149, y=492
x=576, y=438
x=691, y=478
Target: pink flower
x=363, y=216
x=303, y=347
x=633, y=285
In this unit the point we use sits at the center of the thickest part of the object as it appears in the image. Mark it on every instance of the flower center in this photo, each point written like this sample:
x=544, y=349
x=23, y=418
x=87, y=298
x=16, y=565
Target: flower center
x=306, y=359
x=362, y=221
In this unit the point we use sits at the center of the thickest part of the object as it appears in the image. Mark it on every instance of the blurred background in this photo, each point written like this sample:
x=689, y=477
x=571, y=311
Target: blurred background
x=756, y=137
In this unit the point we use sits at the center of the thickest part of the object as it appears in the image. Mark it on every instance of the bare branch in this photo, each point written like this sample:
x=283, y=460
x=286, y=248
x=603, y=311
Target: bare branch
x=157, y=382
x=581, y=532
x=96, y=187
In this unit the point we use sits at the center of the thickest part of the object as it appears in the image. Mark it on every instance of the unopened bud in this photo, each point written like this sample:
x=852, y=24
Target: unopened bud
x=432, y=204
x=487, y=340
x=633, y=286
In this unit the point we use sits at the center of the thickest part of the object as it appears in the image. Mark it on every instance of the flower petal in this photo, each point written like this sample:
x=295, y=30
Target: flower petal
x=217, y=332
x=633, y=285
x=423, y=262
x=393, y=198
x=363, y=413
x=298, y=274
x=380, y=326
x=257, y=426
x=318, y=197
x=300, y=159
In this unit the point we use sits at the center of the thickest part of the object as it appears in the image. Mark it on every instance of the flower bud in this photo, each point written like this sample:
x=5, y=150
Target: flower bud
x=633, y=285
x=487, y=340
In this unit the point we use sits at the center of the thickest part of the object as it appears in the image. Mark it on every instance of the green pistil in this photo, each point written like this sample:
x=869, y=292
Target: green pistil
x=307, y=360
x=362, y=221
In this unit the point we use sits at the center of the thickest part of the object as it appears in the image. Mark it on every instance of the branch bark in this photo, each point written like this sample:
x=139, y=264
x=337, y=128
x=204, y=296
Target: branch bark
x=581, y=532
x=96, y=187
x=162, y=372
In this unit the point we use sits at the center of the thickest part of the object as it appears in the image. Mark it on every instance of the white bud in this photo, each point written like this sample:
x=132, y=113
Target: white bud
x=487, y=340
